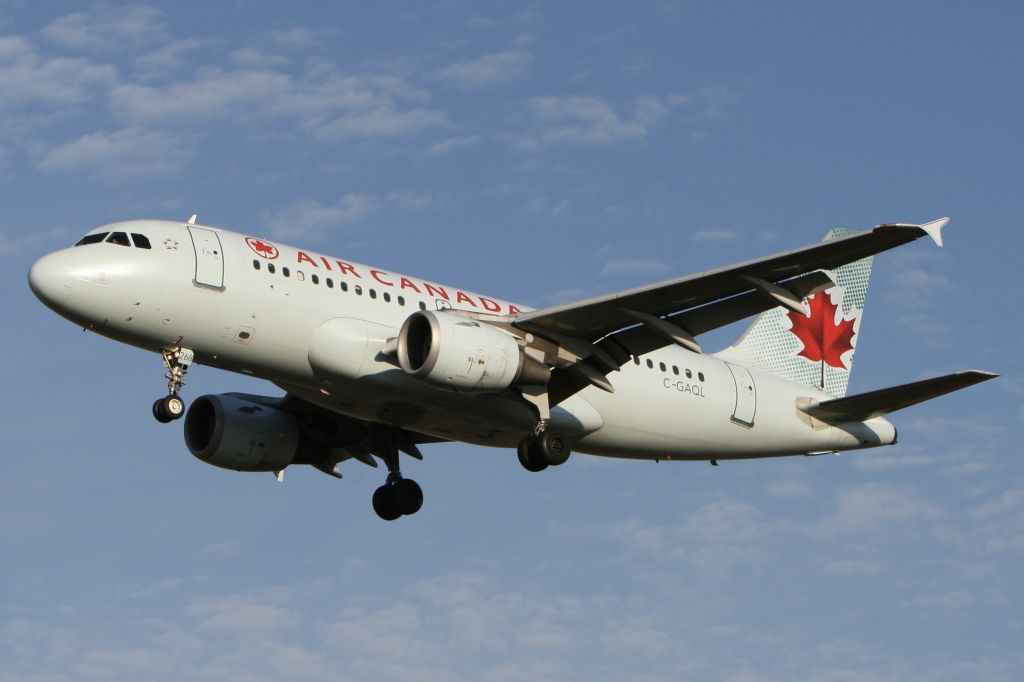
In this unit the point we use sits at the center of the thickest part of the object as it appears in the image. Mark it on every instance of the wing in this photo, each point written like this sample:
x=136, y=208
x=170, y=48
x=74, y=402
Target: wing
x=600, y=334
x=329, y=438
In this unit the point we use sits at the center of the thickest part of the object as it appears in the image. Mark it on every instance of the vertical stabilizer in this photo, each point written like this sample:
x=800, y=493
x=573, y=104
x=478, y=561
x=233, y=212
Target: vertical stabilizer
x=814, y=349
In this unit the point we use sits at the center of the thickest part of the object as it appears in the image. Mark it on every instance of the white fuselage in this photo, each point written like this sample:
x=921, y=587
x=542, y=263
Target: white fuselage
x=213, y=291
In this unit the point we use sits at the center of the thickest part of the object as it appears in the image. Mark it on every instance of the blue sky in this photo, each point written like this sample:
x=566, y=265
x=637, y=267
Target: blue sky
x=538, y=153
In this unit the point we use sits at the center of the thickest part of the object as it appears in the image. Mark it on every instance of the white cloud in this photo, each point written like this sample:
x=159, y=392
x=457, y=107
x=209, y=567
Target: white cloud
x=23, y=241
x=159, y=60
x=324, y=102
x=296, y=38
x=591, y=120
x=921, y=280
x=715, y=538
x=308, y=217
x=383, y=121
x=714, y=235
x=496, y=67
x=573, y=119
x=789, y=488
x=452, y=144
x=633, y=266
x=104, y=26
x=872, y=505
x=123, y=154
x=28, y=78
x=241, y=615
x=853, y=567
x=947, y=601
x=250, y=57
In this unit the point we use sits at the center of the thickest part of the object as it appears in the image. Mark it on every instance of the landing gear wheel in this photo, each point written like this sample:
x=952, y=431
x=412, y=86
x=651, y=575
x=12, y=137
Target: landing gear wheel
x=553, y=447
x=537, y=453
x=384, y=503
x=168, y=409
x=158, y=412
x=410, y=496
x=527, y=458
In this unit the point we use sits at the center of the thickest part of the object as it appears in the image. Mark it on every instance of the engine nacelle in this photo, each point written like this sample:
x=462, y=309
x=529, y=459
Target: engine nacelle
x=232, y=433
x=461, y=354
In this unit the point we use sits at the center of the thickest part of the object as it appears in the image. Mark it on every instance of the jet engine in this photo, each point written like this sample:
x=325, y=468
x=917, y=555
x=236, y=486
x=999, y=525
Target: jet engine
x=461, y=354
x=236, y=434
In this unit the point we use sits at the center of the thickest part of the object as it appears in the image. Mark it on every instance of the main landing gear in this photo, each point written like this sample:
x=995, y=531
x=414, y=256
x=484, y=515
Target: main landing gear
x=177, y=361
x=398, y=496
x=538, y=452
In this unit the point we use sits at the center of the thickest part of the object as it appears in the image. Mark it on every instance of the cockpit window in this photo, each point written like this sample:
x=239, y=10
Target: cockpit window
x=119, y=238
x=92, y=239
x=141, y=240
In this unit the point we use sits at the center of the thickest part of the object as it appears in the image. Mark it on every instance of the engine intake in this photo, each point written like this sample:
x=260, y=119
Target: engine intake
x=236, y=434
x=462, y=354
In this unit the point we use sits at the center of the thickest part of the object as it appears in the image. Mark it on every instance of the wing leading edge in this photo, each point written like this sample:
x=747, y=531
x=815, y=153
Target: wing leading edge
x=600, y=334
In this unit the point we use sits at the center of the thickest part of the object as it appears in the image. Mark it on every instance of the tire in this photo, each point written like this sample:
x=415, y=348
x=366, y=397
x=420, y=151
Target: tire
x=158, y=412
x=384, y=503
x=528, y=458
x=553, y=448
x=409, y=496
x=174, y=407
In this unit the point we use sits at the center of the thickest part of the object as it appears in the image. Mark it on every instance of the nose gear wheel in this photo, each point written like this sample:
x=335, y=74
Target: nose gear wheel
x=177, y=361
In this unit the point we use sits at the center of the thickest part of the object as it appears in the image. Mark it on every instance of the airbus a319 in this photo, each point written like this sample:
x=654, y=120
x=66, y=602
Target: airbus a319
x=376, y=363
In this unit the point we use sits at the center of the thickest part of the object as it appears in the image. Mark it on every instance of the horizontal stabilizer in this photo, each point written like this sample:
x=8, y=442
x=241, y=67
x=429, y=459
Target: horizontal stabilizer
x=864, y=406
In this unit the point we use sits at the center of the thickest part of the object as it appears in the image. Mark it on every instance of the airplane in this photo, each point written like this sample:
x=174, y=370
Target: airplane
x=375, y=363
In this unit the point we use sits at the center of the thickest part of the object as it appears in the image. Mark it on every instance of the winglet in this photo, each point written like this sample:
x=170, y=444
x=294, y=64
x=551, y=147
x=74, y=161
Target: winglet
x=934, y=229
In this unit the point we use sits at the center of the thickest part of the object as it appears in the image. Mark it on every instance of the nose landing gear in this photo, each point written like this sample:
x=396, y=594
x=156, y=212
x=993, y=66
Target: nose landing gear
x=177, y=361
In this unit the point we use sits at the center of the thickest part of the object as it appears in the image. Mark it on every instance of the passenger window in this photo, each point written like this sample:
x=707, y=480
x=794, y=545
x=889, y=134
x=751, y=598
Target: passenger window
x=286, y=272
x=270, y=268
x=689, y=374
x=343, y=286
x=92, y=239
x=119, y=238
x=650, y=363
x=315, y=278
x=700, y=375
x=423, y=306
x=141, y=241
x=636, y=360
x=329, y=282
x=401, y=300
x=675, y=370
x=358, y=289
x=373, y=293
x=662, y=366
x=387, y=297
x=300, y=275
x=255, y=264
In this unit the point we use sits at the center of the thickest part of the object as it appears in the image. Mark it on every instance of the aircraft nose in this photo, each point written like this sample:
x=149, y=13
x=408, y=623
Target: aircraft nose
x=51, y=277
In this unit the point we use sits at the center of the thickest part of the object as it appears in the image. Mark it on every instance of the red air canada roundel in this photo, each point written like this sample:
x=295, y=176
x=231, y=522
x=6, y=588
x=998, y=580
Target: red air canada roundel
x=262, y=249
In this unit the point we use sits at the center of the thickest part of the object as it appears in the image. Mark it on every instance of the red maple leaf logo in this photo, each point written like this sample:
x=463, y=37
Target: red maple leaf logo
x=262, y=248
x=824, y=340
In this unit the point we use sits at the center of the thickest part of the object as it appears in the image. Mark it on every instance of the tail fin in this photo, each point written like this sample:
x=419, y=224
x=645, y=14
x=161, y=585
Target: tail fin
x=814, y=349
